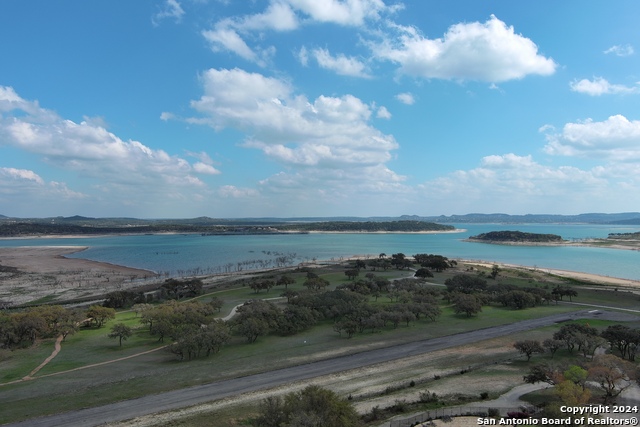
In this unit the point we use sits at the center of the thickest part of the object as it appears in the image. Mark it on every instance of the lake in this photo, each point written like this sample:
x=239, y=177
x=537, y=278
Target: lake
x=193, y=253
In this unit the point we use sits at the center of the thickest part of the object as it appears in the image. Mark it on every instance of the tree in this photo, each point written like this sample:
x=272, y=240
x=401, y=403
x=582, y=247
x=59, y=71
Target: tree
x=495, y=270
x=99, y=315
x=121, y=331
x=572, y=394
x=213, y=336
x=613, y=375
x=466, y=283
x=569, y=334
x=252, y=328
x=468, y=304
x=311, y=407
x=423, y=273
x=316, y=283
x=622, y=338
x=577, y=375
x=528, y=347
x=545, y=373
x=122, y=299
x=352, y=273
x=517, y=299
x=216, y=303
x=552, y=345
x=434, y=262
x=285, y=281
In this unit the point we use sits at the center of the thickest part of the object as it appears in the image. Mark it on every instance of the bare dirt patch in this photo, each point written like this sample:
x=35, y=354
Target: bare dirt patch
x=33, y=273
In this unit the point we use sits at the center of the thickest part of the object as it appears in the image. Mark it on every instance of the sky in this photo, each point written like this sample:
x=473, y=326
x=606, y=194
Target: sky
x=293, y=108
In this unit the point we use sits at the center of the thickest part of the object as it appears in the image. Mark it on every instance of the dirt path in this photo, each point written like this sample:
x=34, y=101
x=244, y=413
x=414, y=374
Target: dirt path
x=53, y=354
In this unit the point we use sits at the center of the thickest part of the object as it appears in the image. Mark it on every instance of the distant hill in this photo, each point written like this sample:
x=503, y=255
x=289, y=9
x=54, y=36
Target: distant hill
x=626, y=218
x=500, y=218
x=367, y=226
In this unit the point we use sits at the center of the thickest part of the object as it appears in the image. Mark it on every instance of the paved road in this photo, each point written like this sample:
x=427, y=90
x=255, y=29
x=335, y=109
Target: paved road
x=218, y=390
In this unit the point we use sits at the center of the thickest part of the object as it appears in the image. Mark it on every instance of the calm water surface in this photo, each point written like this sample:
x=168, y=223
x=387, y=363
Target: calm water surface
x=176, y=253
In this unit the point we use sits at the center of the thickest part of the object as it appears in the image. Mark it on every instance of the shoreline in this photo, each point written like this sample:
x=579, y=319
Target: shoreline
x=170, y=233
x=588, y=243
x=578, y=275
x=46, y=271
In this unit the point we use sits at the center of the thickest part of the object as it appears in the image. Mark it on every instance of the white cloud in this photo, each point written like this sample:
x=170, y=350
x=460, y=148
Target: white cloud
x=230, y=34
x=345, y=12
x=616, y=139
x=340, y=64
x=24, y=193
x=620, y=50
x=327, y=191
x=90, y=150
x=303, y=56
x=205, y=169
x=231, y=191
x=21, y=175
x=502, y=182
x=329, y=131
x=600, y=86
x=171, y=9
x=279, y=17
x=490, y=52
x=383, y=113
x=328, y=147
x=225, y=38
x=406, y=98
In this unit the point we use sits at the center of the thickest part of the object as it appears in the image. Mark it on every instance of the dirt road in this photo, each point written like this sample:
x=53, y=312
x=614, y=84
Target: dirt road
x=214, y=391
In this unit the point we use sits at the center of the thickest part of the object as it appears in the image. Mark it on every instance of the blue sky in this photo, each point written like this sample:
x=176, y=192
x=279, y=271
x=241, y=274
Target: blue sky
x=184, y=108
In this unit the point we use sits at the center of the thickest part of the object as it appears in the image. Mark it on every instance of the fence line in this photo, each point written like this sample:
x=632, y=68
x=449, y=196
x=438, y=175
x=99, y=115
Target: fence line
x=456, y=411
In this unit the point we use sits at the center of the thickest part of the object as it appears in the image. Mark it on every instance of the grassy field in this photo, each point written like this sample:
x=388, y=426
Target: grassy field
x=92, y=369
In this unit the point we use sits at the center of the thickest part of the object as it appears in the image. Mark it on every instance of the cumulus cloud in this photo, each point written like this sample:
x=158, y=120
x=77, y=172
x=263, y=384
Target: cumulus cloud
x=346, y=12
x=614, y=139
x=225, y=38
x=328, y=131
x=620, y=50
x=170, y=10
x=231, y=34
x=340, y=64
x=600, y=86
x=231, y=191
x=90, y=150
x=383, y=113
x=19, y=188
x=329, y=191
x=501, y=182
x=489, y=51
x=406, y=98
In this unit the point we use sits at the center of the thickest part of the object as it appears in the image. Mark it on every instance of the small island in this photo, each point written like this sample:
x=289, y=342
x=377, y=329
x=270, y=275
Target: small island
x=516, y=237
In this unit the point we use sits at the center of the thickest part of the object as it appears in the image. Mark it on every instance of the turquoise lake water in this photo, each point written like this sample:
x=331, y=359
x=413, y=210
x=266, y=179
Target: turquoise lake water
x=214, y=254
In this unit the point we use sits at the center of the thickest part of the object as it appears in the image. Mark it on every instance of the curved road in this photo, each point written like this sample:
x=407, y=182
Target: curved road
x=218, y=390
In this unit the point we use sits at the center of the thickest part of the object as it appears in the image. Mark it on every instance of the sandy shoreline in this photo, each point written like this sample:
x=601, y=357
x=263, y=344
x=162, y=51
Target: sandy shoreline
x=633, y=245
